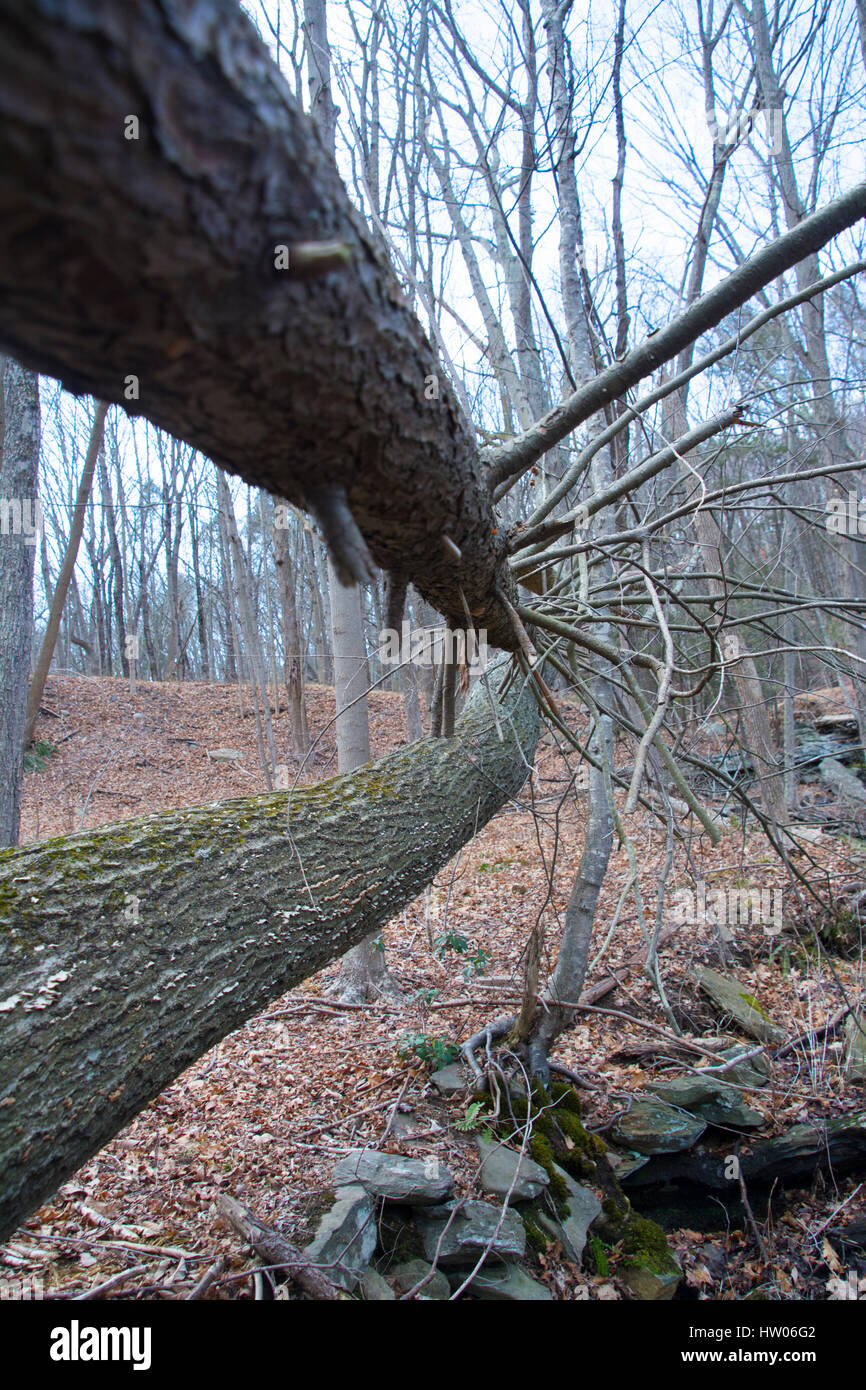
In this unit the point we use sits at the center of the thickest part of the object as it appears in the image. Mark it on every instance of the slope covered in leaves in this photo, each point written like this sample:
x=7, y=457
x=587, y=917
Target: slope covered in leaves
x=265, y=1117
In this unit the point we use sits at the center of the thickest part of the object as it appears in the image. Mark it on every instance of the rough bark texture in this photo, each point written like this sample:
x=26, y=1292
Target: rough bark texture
x=156, y=257
x=128, y=951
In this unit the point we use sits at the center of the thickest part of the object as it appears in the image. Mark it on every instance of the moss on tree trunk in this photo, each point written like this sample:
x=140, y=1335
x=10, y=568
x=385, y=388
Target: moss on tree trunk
x=128, y=951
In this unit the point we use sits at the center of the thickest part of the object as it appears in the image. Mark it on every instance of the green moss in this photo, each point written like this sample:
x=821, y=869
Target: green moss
x=645, y=1246
x=565, y=1097
x=538, y=1241
x=753, y=1004
x=539, y=1147
x=541, y=1096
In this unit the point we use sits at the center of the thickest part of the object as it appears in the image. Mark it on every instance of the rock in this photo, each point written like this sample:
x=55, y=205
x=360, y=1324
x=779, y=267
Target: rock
x=838, y=1145
x=735, y=1001
x=652, y=1127
x=649, y=1268
x=571, y=1230
x=753, y=1073
x=346, y=1237
x=502, y=1284
x=407, y=1275
x=449, y=1080
x=224, y=755
x=469, y=1233
x=375, y=1289
x=853, y=1235
x=842, y=781
x=712, y=1100
x=714, y=728
x=498, y=1167
x=855, y=1047
x=404, y=1126
x=649, y=1287
x=414, y=1182
x=807, y=834
x=624, y=1164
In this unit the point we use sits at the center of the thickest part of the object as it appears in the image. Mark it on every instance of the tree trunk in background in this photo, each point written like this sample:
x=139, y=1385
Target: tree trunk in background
x=126, y=952
x=19, y=482
x=116, y=578
x=266, y=529
x=293, y=665
x=320, y=625
x=201, y=616
x=234, y=662
x=252, y=645
x=46, y=651
x=362, y=970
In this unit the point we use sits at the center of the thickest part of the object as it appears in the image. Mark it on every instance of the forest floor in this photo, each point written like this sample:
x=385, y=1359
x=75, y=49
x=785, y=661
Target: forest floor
x=267, y=1114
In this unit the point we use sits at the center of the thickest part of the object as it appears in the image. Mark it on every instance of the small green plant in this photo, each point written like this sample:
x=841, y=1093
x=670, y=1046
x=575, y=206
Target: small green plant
x=450, y=941
x=428, y=1049
x=425, y=996
x=599, y=1255
x=36, y=756
x=470, y=1119
x=476, y=963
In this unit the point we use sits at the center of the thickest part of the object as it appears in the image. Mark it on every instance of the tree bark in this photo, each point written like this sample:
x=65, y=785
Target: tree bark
x=148, y=271
x=128, y=951
x=362, y=970
x=19, y=481
x=293, y=665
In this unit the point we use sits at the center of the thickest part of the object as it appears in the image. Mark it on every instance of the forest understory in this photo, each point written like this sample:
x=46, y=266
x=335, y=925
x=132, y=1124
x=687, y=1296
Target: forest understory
x=266, y=1115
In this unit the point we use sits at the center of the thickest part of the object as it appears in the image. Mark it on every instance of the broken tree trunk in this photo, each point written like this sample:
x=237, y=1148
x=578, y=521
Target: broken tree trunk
x=176, y=238
x=128, y=951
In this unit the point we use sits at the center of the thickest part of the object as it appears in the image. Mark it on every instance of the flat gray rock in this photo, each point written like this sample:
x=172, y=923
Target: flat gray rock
x=346, y=1238
x=753, y=1073
x=855, y=1047
x=375, y=1289
x=449, y=1080
x=711, y=1100
x=736, y=1001
x=499, y=1165
x=840, y=779
x=405, y=1276
x=414, y=1182
x=502, y=1284
x=469, y=1233
x=652, y=1127
x=648, y=1287
x=404, y=1126
x=571, y=1231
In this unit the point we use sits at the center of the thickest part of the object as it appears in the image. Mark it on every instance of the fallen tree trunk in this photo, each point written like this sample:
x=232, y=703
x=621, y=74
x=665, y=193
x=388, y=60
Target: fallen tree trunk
x=128, y=951
x=176, y=238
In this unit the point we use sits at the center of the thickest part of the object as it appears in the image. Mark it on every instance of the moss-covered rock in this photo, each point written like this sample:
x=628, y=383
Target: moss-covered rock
x=647, y=1265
